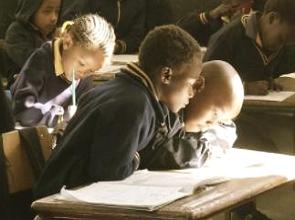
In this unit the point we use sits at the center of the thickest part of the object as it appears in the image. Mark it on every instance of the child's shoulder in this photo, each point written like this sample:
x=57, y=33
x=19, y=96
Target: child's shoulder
x=18, y=30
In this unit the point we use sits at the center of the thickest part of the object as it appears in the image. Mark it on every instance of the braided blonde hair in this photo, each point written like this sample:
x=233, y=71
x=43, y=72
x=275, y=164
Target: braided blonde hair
x=92, y=32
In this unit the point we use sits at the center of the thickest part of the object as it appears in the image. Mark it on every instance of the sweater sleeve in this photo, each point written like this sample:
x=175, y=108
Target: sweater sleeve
x=26, y=92
x=200, y=26
x=19, y=45
x=190, y=149
x=220, y=138
x=221, y=47
x=131, y=129
x=130, y=40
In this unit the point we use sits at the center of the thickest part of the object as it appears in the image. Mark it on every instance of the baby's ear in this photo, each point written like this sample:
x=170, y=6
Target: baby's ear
x=67, y=41
x=166, y=75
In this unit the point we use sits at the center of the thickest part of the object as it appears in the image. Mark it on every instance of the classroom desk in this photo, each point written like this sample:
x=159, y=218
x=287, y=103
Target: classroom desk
x=286, y=106
x=284, y=110
x=250, y=173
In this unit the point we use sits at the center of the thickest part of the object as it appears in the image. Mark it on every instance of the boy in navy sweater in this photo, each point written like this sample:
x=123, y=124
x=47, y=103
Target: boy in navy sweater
x=201, y=25
x=259, y=46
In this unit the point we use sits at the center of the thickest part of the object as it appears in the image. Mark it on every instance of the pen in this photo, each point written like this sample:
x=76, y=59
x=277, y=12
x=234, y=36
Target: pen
x=73, y=88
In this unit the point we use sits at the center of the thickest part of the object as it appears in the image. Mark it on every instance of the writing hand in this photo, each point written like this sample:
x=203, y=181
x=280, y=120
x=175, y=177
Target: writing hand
x=257, y=88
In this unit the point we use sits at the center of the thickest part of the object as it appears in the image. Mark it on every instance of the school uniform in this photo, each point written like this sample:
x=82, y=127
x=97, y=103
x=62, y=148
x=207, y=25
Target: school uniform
x=107, y=137
x=42, y=89
x=126, y=16
x=201, y=26
x=23, y=37
x=239, y=43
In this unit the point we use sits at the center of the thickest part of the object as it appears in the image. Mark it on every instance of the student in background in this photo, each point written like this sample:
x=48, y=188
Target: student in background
x=201, y=25
x=35, y=23
x=126, y=16
x=44, y=87
x=257, y=45
x=136, y=110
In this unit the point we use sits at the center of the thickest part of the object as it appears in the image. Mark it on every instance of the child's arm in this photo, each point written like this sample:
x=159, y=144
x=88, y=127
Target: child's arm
x=220, y=138
x=201, y=25
x=19, y=45
x=190, y=149
x=130, y=40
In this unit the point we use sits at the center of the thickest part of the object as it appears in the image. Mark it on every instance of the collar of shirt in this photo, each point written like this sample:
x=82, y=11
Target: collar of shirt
x=250, y=23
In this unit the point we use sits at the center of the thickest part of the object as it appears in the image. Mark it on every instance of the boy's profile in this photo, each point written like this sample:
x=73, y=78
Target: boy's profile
x=258, y=46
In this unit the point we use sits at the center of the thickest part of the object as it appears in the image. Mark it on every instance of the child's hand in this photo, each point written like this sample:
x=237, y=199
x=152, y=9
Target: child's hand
x=256, y=88
x=276, y=86
x=219, y=11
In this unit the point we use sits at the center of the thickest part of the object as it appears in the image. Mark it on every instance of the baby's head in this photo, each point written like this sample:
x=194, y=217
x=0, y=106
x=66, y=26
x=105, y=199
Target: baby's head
x=220, y=101
x=88, y=43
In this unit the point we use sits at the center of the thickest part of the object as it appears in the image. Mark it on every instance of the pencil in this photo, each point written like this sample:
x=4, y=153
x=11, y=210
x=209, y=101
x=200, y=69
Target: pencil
x=74, y=87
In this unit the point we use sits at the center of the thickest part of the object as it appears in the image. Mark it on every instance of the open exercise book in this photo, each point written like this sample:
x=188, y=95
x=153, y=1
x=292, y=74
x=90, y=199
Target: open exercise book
x=144, y=190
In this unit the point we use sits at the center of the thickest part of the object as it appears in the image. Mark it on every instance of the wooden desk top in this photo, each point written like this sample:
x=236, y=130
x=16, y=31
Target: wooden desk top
x=248, y=180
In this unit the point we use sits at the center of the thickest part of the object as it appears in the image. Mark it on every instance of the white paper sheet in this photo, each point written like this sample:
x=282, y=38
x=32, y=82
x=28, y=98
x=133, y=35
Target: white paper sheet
x=124, y=59
x=146, y=190
x=125, y=196
x=271, y=96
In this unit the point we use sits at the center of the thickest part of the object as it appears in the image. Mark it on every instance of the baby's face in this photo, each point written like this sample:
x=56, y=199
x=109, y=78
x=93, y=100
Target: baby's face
x=208, y=118
x=205, y=115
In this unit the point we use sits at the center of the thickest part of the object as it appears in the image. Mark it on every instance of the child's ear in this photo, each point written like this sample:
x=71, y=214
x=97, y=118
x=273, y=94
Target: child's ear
x=166, y=75
x=67, y=41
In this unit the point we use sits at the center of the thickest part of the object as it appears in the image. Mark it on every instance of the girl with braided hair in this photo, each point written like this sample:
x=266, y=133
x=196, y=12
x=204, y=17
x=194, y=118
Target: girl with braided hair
x=60, y=67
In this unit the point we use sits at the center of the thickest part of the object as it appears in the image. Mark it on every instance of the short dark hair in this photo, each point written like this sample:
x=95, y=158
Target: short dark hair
x=285, y=8
x=167, y=46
